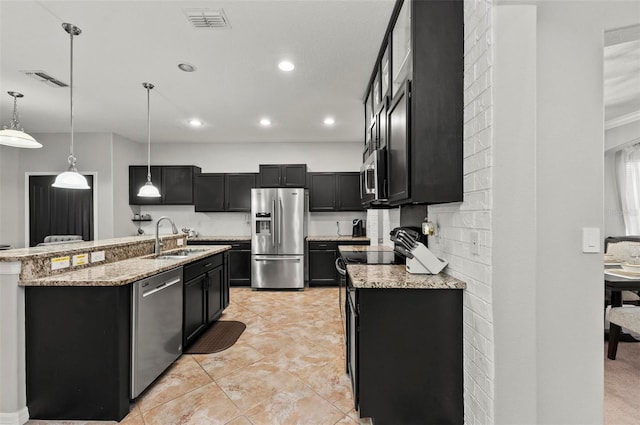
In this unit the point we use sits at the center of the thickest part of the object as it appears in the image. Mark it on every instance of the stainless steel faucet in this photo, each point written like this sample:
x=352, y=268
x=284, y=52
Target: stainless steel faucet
x=158, y=245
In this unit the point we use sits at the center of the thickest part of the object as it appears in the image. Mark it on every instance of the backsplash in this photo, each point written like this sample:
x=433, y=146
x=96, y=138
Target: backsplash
x=237, y=223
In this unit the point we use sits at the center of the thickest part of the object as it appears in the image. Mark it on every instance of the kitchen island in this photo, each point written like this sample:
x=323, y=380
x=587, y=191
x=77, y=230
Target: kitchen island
x=87, y=302
x=404, y=343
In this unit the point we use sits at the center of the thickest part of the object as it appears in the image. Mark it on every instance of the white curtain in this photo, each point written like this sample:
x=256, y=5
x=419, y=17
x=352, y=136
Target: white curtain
x=628, y=178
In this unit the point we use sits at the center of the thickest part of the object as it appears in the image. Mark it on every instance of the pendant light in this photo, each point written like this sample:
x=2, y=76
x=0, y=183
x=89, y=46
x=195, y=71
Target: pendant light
x=15, y=135
x=71, y=179
x=148, y=190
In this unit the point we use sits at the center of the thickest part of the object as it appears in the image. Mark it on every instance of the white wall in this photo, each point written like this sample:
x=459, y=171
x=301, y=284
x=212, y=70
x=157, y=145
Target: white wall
x=124, y=153
x=246, y=157
x=533, y=339
x=10, y=197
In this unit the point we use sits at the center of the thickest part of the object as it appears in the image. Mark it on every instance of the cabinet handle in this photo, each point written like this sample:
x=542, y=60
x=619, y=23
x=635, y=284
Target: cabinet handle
x=207, y=265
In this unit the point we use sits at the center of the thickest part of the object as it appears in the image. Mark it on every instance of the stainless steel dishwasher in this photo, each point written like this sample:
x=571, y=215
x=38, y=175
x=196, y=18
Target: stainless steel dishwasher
x=156, y=327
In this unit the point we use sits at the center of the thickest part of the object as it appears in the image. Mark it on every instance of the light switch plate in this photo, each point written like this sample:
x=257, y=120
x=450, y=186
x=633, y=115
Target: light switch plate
x=590, y=239
x=97, y=256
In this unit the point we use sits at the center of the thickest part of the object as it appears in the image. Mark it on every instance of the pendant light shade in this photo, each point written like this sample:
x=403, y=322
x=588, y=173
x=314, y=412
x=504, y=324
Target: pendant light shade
x=71, y=179
x=148, y=190
x=15, y=135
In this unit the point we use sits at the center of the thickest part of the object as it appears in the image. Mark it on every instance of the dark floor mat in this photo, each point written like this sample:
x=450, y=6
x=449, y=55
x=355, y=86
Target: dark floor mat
x=219, y=336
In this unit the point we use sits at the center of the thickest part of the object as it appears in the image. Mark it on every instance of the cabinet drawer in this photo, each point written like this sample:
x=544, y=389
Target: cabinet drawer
x=201, y=266
x=323, y=246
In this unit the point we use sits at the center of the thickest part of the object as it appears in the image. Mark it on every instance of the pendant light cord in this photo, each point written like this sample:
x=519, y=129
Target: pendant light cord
x=148, y=134
x=71, y=157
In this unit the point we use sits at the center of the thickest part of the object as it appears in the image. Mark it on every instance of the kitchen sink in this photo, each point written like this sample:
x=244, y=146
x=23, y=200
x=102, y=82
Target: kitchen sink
x=177, y=255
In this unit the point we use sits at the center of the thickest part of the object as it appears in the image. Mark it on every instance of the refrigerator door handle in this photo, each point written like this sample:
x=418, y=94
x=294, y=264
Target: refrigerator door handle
x=280, y=224
x=274, y=228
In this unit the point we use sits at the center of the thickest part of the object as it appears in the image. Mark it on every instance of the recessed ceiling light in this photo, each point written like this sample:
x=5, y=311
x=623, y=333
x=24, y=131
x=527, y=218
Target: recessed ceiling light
x=265, y=122
x=186, y=67
x=195, y=122
x=329, y=121
x=286, y=66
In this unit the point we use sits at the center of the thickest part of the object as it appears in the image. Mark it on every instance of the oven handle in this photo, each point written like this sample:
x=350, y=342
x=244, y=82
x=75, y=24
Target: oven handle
x=339, y=264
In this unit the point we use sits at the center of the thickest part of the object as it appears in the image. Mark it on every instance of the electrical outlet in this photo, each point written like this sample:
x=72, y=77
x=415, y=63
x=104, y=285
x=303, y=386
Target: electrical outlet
x=475, y=245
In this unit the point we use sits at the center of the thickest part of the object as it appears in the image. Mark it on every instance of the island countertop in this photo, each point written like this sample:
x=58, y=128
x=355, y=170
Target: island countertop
x=122, y=272
x=206, y=238
x=388, y=276
x=336, y=238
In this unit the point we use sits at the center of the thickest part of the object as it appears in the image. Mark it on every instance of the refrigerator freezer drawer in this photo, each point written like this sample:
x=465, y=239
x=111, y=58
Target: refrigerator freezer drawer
x=277, y=271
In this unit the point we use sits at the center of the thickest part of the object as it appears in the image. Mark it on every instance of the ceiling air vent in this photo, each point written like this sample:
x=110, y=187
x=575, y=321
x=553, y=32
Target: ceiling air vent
x=45, y=78
x=207, y=18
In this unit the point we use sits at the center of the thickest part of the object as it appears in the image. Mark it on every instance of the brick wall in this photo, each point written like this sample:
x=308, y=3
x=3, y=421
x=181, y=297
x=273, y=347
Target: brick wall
x=459, y=222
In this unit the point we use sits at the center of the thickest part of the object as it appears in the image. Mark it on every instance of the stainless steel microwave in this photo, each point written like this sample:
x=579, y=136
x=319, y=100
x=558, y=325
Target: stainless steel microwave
x=373, y=177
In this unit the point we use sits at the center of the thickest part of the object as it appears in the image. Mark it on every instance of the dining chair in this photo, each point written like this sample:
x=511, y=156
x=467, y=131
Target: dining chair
x=627, y=317
x=622, y=248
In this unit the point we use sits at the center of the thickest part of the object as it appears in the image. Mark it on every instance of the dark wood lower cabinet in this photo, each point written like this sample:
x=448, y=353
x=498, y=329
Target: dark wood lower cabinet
x=206, y=294
x=404, y=355
x=78, y=352
x=322, y=259
x=238, y=262
x=78, y=341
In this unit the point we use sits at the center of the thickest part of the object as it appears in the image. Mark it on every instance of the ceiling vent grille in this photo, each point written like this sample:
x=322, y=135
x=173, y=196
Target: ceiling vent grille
x=207, y=18
x=45, y=78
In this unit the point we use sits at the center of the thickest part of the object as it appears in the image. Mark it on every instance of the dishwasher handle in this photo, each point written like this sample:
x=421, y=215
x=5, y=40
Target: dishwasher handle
x=161, y=287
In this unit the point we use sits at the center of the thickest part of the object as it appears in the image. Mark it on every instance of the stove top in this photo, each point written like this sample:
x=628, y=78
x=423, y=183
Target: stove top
x=372, y=257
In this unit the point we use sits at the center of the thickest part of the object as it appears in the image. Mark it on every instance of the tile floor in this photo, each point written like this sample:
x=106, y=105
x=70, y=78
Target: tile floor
x=286, y=368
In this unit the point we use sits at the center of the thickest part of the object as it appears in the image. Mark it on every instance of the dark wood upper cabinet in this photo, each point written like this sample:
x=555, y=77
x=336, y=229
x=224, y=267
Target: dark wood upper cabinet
x=215, y=192
x=282, y=175
x=348, y=192
x=175, y=183
x=237, y=191
x=209, y=192
x=334, y=191
x=322, y=192
x=422, y=55
x=398, y=164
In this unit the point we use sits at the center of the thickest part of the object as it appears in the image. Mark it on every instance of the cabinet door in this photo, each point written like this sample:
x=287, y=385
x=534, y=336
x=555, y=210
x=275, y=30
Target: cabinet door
x=322, y=267
x=269, y=175
x=398, y=147
x=401, y=48
x=240, y=264
x=322, y=191
x=348, y=192
x=214, y=293
x=209, y=192
x=177, y=185
x=194, y=308
x=294, y=175
x=237, y=191
x=137, y=179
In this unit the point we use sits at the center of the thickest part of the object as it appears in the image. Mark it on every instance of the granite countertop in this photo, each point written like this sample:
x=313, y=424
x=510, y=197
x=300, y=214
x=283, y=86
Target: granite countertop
x=364, y=248
x=205, y=238
x=338, y=238
x=122, y=272
x=397, y=277
x=18, y=254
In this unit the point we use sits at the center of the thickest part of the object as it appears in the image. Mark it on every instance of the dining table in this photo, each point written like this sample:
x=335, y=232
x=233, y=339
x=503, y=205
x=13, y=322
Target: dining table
x=617, y=280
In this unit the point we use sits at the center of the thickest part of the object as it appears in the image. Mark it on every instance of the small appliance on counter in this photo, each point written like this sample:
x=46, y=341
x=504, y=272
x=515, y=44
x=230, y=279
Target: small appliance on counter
x=409, y=243
x=191, y=233
x=358, y=228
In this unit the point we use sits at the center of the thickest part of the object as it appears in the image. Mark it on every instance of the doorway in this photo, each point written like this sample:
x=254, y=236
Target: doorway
x=55, y=211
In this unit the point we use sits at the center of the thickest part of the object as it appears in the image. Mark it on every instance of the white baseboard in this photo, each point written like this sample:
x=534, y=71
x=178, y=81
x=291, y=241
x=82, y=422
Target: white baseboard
x=16, y=418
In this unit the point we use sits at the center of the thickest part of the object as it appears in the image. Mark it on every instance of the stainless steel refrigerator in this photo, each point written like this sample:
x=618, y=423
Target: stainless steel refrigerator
x=278, y=231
